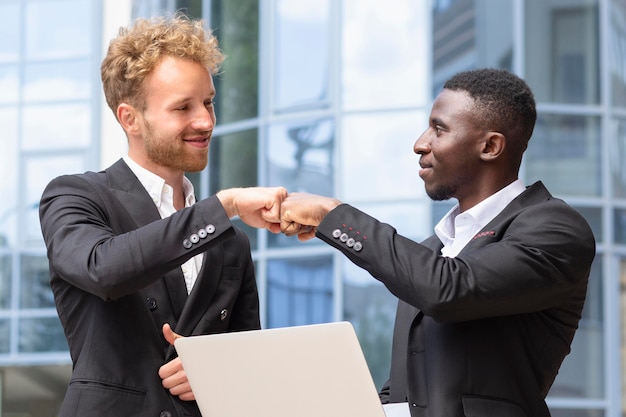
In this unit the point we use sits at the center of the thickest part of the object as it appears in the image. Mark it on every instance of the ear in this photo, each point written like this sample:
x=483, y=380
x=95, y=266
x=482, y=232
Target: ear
x=129, y=117
x=493, y=146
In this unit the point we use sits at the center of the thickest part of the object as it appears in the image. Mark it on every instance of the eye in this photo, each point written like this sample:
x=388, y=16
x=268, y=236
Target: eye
x=209, y=103
x=182, y=108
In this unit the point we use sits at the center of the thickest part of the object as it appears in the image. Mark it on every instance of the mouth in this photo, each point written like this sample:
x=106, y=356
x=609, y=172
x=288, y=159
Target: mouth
x=198, y=142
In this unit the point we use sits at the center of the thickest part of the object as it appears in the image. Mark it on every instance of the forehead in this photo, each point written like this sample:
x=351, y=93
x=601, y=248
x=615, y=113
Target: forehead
x=453, y=105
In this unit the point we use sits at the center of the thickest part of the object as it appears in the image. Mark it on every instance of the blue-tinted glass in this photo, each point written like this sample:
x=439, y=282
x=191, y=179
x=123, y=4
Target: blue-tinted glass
x=5, y=336
x=593, y=215
x=8, y=177
x=564, y=153
x=301, y=55
x=59, y=126
x=34, y=284
x=72, y=34
x=57, y=81
x=384, y=54
x=582, y=374
x=41, y=334
x=236, y=25
x=575, y=412
x=371, y=308
x=5, y=277
x=233, y=160
x=9, y=84
x=377, y=162
x=9, y=30
x=562, y=51
x=619, y=219
x=617, y=54
x=617, y=156
x=299, y=291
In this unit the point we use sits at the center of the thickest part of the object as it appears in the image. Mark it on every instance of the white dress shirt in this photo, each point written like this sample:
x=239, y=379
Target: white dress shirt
x=456, y=229
x=163, y=196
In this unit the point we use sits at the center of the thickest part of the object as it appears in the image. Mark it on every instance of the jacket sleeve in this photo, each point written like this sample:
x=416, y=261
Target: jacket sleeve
x=91, y=246
x=532, y=259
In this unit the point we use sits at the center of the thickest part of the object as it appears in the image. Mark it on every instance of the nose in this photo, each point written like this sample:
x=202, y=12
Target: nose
x=422, y=144
x=204, y=119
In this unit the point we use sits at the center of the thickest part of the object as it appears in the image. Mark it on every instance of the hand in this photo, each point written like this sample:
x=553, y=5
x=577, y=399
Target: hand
x=256, y=206
x=301, y=213
x=172, y=374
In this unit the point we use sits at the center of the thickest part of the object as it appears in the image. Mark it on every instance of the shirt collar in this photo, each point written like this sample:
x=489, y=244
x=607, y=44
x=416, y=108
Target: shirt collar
x=156, y=186
x=481, y=214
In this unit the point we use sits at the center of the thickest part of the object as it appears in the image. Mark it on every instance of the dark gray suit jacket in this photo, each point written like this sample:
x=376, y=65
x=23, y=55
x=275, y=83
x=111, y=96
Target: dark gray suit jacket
x=482, y=334
x=116, y=278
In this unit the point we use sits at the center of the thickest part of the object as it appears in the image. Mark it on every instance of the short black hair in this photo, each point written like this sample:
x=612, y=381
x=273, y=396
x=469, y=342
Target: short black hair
x=505, y=102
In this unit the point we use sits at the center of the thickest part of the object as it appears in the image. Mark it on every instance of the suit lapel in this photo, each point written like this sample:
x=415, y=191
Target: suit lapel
x=142, y=211
x=203, y=290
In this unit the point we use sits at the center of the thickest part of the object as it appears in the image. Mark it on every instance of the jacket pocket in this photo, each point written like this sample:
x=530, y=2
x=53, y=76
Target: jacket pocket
x=490, y=407
x=84, y=398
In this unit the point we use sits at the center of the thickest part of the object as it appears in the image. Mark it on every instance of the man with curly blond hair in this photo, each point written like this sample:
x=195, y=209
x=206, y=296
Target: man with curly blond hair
x=133, y=256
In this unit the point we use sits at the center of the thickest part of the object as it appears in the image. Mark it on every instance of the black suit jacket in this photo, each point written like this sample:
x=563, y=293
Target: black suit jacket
x=482, y=334
x=116, y=278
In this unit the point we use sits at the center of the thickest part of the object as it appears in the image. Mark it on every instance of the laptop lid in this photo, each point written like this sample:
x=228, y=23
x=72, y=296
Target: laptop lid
x=303, y=371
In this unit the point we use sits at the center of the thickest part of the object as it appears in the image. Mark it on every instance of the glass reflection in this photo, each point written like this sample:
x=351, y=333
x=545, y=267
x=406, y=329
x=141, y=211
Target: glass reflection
x=5, y=278
x=301, y=48
x=236, y=25
x=617, y=152
x=582, y=374
x=41, y=334
x=233, y=160
x=35, y=289
x=617, y=54
x=619, y=219
x=9, y=84
x=299, y=291
x=564, y=153
x=9, y=30
x=57, y=80
x=5, y=339
x=72, y=28
x=56, y=126
x=384, y=51
x=8, y=176
x=562, y=51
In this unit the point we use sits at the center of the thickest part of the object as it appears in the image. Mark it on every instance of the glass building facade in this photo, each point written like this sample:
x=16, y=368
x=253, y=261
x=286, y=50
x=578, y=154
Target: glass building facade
x=328, y=97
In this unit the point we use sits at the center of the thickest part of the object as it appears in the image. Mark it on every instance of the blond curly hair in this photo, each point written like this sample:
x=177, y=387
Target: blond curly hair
x=138, y=49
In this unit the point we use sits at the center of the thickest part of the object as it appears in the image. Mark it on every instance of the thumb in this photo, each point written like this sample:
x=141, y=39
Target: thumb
x=169, y=334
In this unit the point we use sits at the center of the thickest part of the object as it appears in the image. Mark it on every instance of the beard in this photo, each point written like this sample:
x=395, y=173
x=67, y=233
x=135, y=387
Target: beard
x=441, y=193
x=171, y=152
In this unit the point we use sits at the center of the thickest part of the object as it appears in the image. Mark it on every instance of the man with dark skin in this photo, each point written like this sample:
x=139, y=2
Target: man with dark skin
x=488, y=305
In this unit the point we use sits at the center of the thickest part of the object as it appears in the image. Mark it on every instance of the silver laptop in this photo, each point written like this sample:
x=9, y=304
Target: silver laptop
x=304, y=371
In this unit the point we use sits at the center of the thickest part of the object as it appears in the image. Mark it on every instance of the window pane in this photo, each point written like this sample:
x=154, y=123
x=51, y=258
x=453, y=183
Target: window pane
x=9, y=83
x=58, y=80
x=236, y=25
x=562, y=51
x=5, y=335
x=34, y=282
x=384, y=51
x=593, y=215
x=377, y=161
x=56, y=126
x=300, y=156
x=581, y=374
x=620, y=226
x=41, y=334
x=622, y=278
x=566, y=412
x=299, y=291
x=469, y=34
x=617, y=54
x=564, y=153
x=371, y=308
x=72, y=28
x=5, y=279
x=301, y=48
x=9, y=30
x=233, y=160
x=617, y=150
x=8, y=177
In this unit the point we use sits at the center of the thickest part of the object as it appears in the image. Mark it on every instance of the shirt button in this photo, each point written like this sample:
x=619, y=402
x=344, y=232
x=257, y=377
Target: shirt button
x=358, y=246
x=202, y=233
x=194, y=238
x=223, y=314
x=152, y=303
x=210, y=229
x=350, y=242
x=343, y=237
x=187, y=244
x=336, y=233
